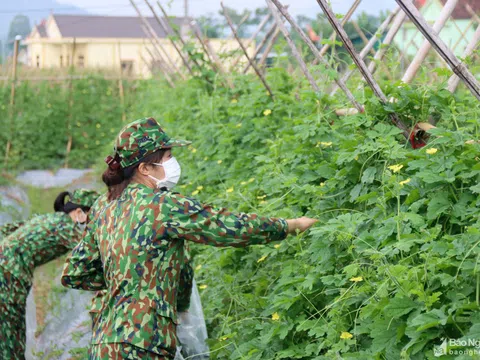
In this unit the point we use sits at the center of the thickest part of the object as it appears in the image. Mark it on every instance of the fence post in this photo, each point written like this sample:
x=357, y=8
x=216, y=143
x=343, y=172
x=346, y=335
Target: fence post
x=70, y=104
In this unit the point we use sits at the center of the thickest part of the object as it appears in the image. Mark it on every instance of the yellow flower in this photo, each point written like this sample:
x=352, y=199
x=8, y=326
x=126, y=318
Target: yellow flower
x=239, y=125
x=356, y=158
x=263, y=202
x=194, y=150
x=219, y=161
x=98, y=126
x=205, y=158
x=261, y=197
x=322, y=184
x=223, y=338
x=395, y=168
x=267, y=112
x=203, y=287
x=262, y=259
x=345, y=335
x=183, y=186
x=198, y=267
x=431, y=151
x=199, y=187
x=243, y=183
x=195, y=192
x=230, y=190
x=326, y=144
x=405, y=181
x=275, y=316
x=356, y=279
x=234, y=101
x=276, y=246
x=251, y=180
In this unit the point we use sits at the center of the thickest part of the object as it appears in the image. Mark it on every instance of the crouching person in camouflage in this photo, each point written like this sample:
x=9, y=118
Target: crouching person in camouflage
x=134, y=247
x=26, y=245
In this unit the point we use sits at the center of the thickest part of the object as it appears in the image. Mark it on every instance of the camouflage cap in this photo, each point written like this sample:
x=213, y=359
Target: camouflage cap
x=84, y=197
x=141, y=138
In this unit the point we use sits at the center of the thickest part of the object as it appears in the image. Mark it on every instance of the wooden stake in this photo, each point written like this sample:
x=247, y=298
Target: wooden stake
x=165, y=73
x=454, y=79
x=164, y=27
x=16, y=45
x=252, y=38
x=70, y=103
x=231, y=37
x=292, y=46
x=259, y=47
x=315, y=51
x=120, y=83
x=332, y=38
x=456, y=65
x=268, y=47
x=371, y=43
x=156, y=42
x=159, y=58
x=360, y=64
x=396, y=25
x=259, y=74
x=175, y=30
x=424, y=49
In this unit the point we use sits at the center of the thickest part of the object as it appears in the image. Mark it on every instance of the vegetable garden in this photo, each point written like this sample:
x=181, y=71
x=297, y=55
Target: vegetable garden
x=392, y=267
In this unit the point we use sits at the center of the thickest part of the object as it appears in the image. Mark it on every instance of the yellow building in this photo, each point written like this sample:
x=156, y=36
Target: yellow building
x=106, y=43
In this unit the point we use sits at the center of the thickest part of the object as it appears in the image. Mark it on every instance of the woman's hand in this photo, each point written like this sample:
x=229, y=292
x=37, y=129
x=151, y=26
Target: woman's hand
x=300, y=224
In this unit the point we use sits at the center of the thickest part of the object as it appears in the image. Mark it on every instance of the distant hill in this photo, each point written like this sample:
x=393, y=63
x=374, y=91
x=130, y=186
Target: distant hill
x=35, y=10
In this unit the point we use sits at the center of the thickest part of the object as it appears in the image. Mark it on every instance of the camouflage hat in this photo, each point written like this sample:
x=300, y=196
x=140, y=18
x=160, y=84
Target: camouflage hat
x=141, y=138
x=84, y=197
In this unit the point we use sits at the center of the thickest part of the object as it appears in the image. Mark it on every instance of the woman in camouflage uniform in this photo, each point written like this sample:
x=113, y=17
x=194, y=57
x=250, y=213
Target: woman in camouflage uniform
x=26, y=246
x=135, y=245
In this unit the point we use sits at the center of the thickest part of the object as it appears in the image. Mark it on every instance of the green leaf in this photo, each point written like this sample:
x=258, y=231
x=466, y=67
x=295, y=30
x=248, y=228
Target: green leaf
x=438, y=205
x=399, y=306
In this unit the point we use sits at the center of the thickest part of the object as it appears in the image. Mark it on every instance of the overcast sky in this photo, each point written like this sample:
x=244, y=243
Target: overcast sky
x=202, y=7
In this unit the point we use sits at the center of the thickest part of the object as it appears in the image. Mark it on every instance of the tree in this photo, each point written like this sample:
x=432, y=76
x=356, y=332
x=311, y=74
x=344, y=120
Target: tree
x=20, y=25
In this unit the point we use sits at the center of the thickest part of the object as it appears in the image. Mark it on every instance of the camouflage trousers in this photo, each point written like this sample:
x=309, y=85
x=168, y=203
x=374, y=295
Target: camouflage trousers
x=120, y=351
x=13, y=302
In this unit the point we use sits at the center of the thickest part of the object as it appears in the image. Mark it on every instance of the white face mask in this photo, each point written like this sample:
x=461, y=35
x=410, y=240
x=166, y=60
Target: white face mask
x=172, y=174
x=81, y=225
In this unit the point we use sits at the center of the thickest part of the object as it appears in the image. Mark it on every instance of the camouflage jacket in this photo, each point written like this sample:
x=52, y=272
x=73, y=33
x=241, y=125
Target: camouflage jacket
x=135, y=246
x=9, y=228
x=40, y=240
x=185, y=281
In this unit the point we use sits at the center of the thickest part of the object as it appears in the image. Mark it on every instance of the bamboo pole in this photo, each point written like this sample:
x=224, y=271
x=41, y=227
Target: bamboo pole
x=292, y=46
x=150, y=32
x=361, y=64
x=425, y=48
x=164, y=27
x=268, y=47
x=231, y=37
x=259, y=74
x=120, y=83
x=70, y=103
x=462, y=33
x=365, y=42
x=16, y=45
x=165, y=73
x=454, y=79
x=159, y=58
x=273, y=29
x=175, y=30
x=456, y=65
x=207, y=47
x=332, y=38
x=396, y=25
x=371, y=43
x=252, y=38
x=316, y=52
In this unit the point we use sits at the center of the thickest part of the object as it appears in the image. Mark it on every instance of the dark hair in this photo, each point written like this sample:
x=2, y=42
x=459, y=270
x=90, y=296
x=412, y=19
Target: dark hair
x=60, y=205
x=117, y=178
